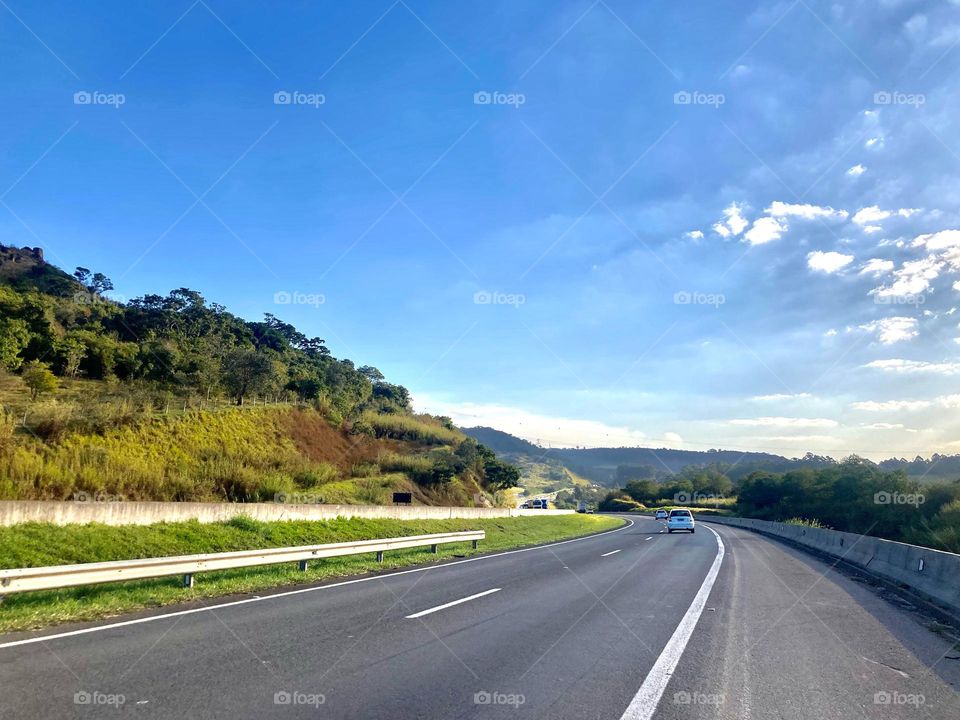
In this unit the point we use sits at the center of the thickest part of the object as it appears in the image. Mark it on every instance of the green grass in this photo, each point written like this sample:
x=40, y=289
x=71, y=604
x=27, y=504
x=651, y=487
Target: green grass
x=35, y=544
x=419, y=428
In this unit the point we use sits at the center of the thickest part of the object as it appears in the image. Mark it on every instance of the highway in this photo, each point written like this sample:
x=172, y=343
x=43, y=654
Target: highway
x=632, y=623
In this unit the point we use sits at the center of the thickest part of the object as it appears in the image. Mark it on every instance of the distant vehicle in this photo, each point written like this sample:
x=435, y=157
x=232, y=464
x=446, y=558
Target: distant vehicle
x=540, y=504
x=582, y=507
x=524, y=506
x=660, y=515
x=680, y=520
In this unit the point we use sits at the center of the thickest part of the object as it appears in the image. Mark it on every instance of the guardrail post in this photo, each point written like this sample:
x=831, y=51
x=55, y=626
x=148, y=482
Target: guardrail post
x=433, y=549
x=188, y=580
x=302, y=566
x=379, y=555
x=476, y=544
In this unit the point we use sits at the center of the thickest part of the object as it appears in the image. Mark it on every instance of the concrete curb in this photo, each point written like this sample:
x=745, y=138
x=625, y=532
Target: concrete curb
x=933, y=575
x=15, y=512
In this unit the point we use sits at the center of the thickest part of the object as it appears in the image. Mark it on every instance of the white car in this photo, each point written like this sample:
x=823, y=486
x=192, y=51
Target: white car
x=660, y=515
x=680, y=520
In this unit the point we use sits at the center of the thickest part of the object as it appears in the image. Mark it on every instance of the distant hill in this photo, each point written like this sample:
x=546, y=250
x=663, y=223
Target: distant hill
x=601, y=464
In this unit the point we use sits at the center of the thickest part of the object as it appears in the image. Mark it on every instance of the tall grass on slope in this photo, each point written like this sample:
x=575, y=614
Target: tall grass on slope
x=418, y=428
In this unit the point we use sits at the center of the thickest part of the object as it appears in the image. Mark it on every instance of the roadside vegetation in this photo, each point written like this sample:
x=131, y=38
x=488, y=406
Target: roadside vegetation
x=854, y=495
x=174, y=398
x=34, y=545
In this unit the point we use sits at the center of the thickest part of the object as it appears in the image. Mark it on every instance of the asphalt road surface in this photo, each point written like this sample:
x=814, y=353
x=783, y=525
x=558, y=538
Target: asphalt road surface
x=633, y=623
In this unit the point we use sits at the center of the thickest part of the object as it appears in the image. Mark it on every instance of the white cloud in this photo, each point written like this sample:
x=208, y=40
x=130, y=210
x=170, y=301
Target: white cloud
x=831, y=332
x=857, y=170
x=890, y=405
x=941, y=240
x=915, y=367
x=548, y=430
x=779, y=397
x=913, y=278
x=874, y=143
x=764, y=230
x=886, y=426
x=870, y=215
x=893, y=329
x=828, y=262
x=876, y=267
x=733, y=223
x=785, y=422
x=807, y=212
x=694, y=234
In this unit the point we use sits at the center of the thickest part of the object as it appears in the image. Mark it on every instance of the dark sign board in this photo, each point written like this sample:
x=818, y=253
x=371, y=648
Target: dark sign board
x=403, y=498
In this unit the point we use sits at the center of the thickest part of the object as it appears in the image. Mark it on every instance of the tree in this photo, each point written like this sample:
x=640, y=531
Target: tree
x=14, y=337
x=247, y=371
x=38, y=378
x=371, y=373
x=70, y=353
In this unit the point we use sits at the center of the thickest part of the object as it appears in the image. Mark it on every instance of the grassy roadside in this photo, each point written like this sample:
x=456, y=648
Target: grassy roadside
x=34, y=545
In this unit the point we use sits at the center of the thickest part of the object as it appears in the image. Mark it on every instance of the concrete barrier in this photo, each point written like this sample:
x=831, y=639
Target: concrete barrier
x=15, y=512
x=932, y=574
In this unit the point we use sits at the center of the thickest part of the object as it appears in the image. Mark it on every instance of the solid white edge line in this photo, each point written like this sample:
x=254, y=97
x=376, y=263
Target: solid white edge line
x=290, y=593
x=451, y=604
x=612, y=552
x=645, y=702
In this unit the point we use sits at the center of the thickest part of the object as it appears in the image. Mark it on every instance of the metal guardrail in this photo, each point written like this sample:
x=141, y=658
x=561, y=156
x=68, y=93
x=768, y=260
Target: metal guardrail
x=60, y=576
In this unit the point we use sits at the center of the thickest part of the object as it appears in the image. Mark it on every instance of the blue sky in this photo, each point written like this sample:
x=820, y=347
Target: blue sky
x=588, y=223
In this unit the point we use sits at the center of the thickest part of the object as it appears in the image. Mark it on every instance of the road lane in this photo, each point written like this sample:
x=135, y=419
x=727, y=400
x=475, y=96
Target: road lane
x=570, y=634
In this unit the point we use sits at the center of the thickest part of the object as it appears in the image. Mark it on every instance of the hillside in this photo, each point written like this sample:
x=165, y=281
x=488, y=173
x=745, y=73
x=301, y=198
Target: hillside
x=172, y=398
x=615, y=466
